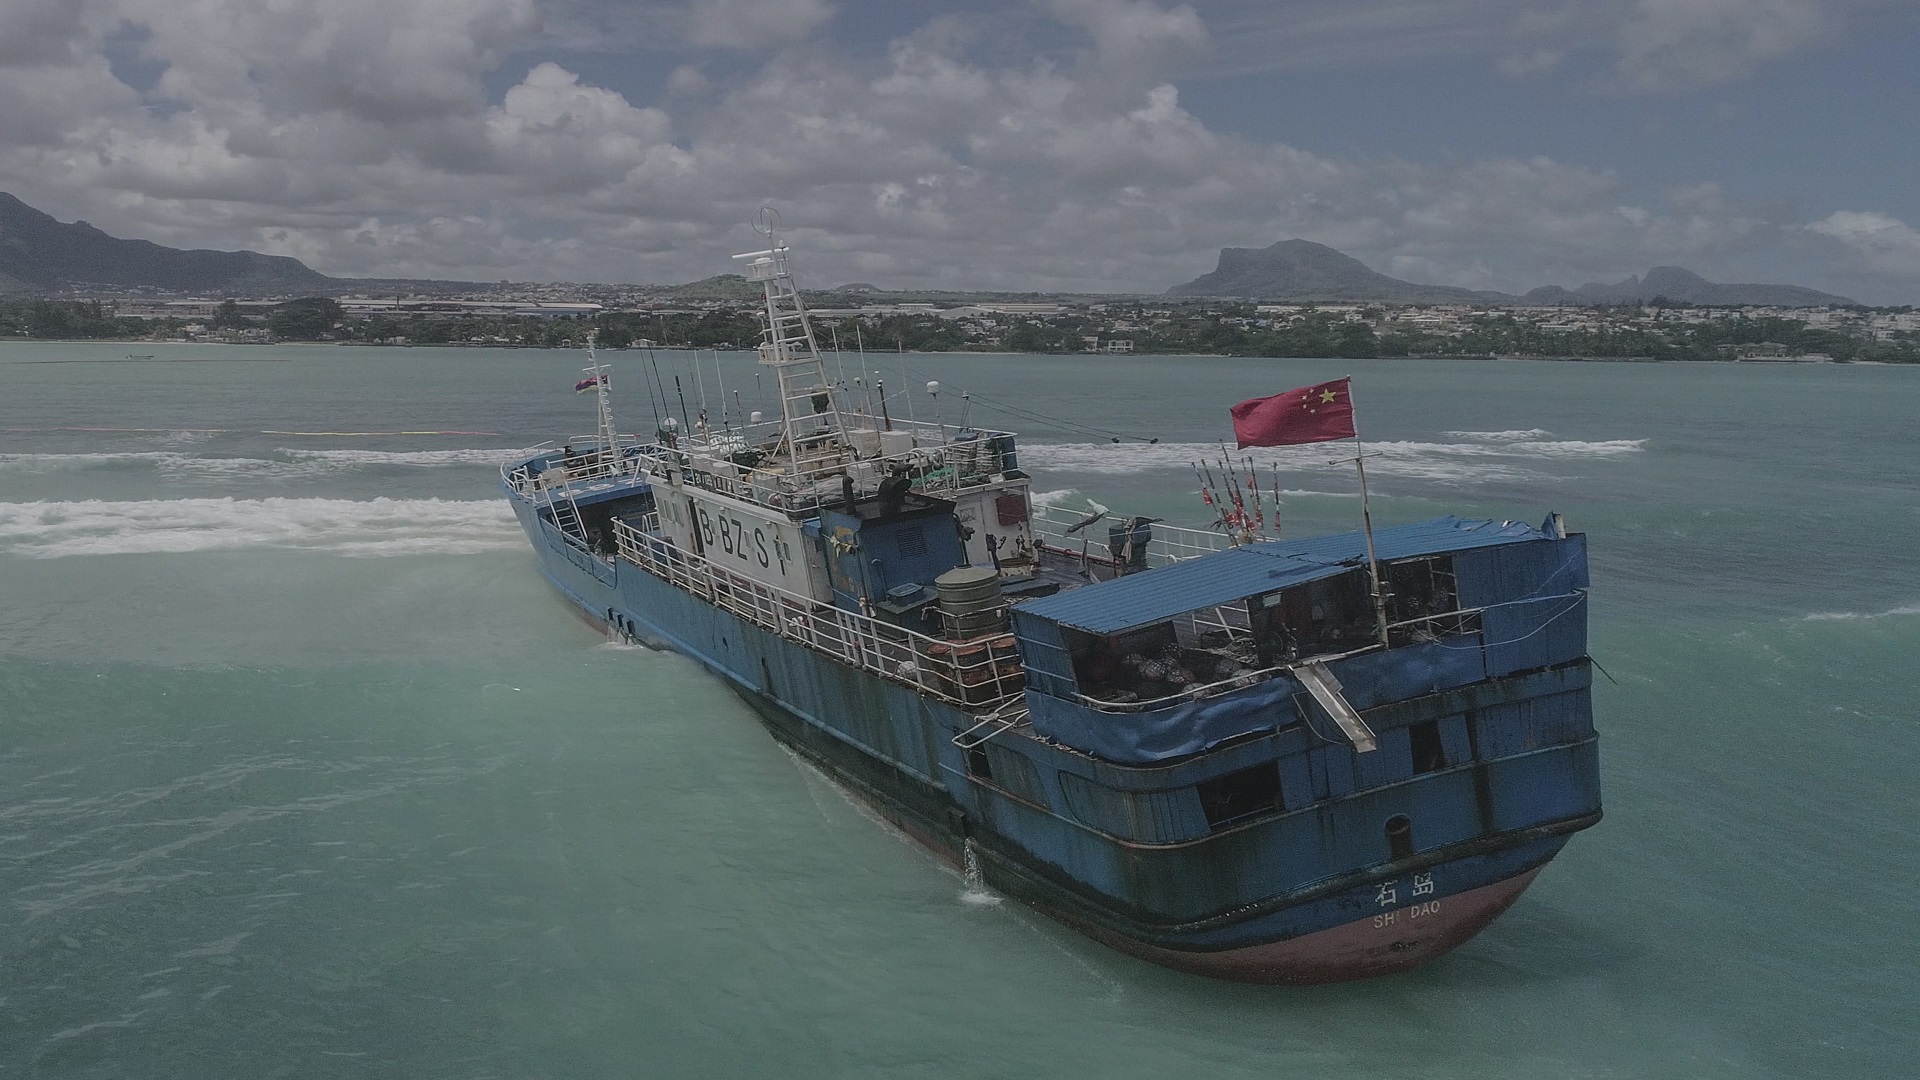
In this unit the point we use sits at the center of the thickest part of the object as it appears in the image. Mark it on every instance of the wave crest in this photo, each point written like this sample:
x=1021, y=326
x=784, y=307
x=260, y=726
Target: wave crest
x=376, y=527
x=1491, y=458
x=280, y=464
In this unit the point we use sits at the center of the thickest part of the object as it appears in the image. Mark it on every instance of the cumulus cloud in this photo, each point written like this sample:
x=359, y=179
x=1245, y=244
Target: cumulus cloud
x=1884, y=242
x=363, y=137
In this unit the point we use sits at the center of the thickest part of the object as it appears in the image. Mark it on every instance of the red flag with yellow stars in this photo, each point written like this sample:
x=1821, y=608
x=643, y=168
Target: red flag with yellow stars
x=1310, y=414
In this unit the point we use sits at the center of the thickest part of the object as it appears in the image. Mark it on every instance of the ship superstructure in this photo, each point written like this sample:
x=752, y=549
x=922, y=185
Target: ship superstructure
x=1271, y=760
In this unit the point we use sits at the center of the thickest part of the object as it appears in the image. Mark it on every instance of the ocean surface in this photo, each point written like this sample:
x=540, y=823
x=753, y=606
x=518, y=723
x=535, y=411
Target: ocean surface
x=305, y=771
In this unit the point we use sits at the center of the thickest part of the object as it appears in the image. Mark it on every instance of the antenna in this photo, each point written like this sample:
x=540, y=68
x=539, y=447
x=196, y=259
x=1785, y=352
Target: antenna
x=601, y=375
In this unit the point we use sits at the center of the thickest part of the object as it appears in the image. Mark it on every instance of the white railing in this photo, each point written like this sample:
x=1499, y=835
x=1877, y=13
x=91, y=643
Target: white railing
x=982, y=672
x=945, y=466
x=587, y=466
x=1170, y=543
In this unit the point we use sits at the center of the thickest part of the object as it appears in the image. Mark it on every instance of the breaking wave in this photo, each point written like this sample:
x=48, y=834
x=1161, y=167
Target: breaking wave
x=1526, y=435
x=281, y=464
x=1837, y=616
x=1481, y=455
x=376, y=527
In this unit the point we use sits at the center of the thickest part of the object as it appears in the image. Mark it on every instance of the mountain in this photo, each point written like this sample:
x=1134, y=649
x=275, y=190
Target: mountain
x=1303, y=270
x=38, y=253
x=717, y=287
x=1675, y=283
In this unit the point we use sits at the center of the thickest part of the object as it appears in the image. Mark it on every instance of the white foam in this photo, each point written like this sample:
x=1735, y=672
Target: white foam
x=1498, y=436
x=1488, y=459
x=374, y=527
x=1837, y=616
x=417, y=458
x=283, y=464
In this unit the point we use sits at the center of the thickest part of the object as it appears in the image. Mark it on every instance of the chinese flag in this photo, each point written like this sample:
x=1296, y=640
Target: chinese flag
x=1310, y=414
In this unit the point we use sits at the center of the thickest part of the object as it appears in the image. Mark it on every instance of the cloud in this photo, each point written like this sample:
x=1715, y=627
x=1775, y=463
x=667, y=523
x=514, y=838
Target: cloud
x=753, y=24
x=1134, y=31
x=37, y=33
x=369, y=138
x=1666, y=44
x=1883, y=242
x=550, y=124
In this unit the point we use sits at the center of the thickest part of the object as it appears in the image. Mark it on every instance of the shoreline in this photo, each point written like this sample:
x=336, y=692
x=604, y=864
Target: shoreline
x=136, y=358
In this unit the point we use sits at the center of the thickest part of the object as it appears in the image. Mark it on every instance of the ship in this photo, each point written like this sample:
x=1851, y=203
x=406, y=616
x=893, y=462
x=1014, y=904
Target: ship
x=1252, y=758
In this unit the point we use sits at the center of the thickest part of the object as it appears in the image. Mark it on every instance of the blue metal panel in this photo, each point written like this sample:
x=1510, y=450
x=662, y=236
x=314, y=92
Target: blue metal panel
x=1526, y=634
x=1454, y=742
x=1335, y=763
x=1154, y=817
x=1042, y=650
x=1522, y=571
x=1227, y=576
x=1547, y=785
x=1296, y=781
x=1524, y=726
x=1379, y=678
x=1390, y=761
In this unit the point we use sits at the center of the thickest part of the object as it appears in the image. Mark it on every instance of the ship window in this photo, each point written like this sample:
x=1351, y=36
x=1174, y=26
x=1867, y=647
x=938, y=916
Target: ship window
x=1240, y=795
x=1422, y=589
x=913, y=543
x=1428, y=753
x=978, y=764
x=1400, y=837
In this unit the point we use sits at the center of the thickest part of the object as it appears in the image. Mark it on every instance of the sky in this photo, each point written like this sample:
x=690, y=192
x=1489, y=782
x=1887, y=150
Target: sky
x=1046, y=145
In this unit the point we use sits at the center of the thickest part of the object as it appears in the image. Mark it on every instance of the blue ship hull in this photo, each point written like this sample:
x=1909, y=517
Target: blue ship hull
x=1292, y=896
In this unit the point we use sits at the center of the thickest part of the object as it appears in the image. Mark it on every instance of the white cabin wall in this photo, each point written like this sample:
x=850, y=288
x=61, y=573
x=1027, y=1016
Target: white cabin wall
x=978, y=514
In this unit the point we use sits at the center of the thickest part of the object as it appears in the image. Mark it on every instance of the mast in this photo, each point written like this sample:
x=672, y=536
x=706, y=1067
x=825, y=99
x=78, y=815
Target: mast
x=811, y=429
x=601, y=374
x=1366, y=523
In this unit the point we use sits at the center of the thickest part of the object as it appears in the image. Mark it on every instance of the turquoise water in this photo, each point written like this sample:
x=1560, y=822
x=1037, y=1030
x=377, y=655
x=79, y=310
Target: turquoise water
x=304, y=771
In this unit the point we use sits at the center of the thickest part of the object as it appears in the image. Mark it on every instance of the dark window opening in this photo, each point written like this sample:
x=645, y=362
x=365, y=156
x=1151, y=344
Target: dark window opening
x=1428, y=753
x=1138, y=665
x=1400, y=837
x=1240, y=795
x=1332, y=615
x=978, y=764
x=1423, y=601
x=1420, y=588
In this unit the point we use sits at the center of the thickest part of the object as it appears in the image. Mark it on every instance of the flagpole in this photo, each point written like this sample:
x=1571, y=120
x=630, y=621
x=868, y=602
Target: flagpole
x=1366, y=522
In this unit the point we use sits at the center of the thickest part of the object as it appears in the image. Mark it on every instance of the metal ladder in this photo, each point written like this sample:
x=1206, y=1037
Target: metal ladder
x=566, y=513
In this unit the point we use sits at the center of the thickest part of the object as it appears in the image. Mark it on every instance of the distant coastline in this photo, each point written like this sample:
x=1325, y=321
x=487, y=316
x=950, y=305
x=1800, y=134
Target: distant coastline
x=1806, y=360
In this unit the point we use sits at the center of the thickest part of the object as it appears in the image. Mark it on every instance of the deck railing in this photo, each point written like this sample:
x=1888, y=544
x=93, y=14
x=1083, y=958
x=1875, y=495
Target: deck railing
x=587, y=466
x=980, y=673
x=1410, y=632
x=1170, y=543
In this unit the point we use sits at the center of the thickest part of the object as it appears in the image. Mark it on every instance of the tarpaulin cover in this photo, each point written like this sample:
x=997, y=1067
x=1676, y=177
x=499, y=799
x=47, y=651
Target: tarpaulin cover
x=1370, y=680
x=1188, y=728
